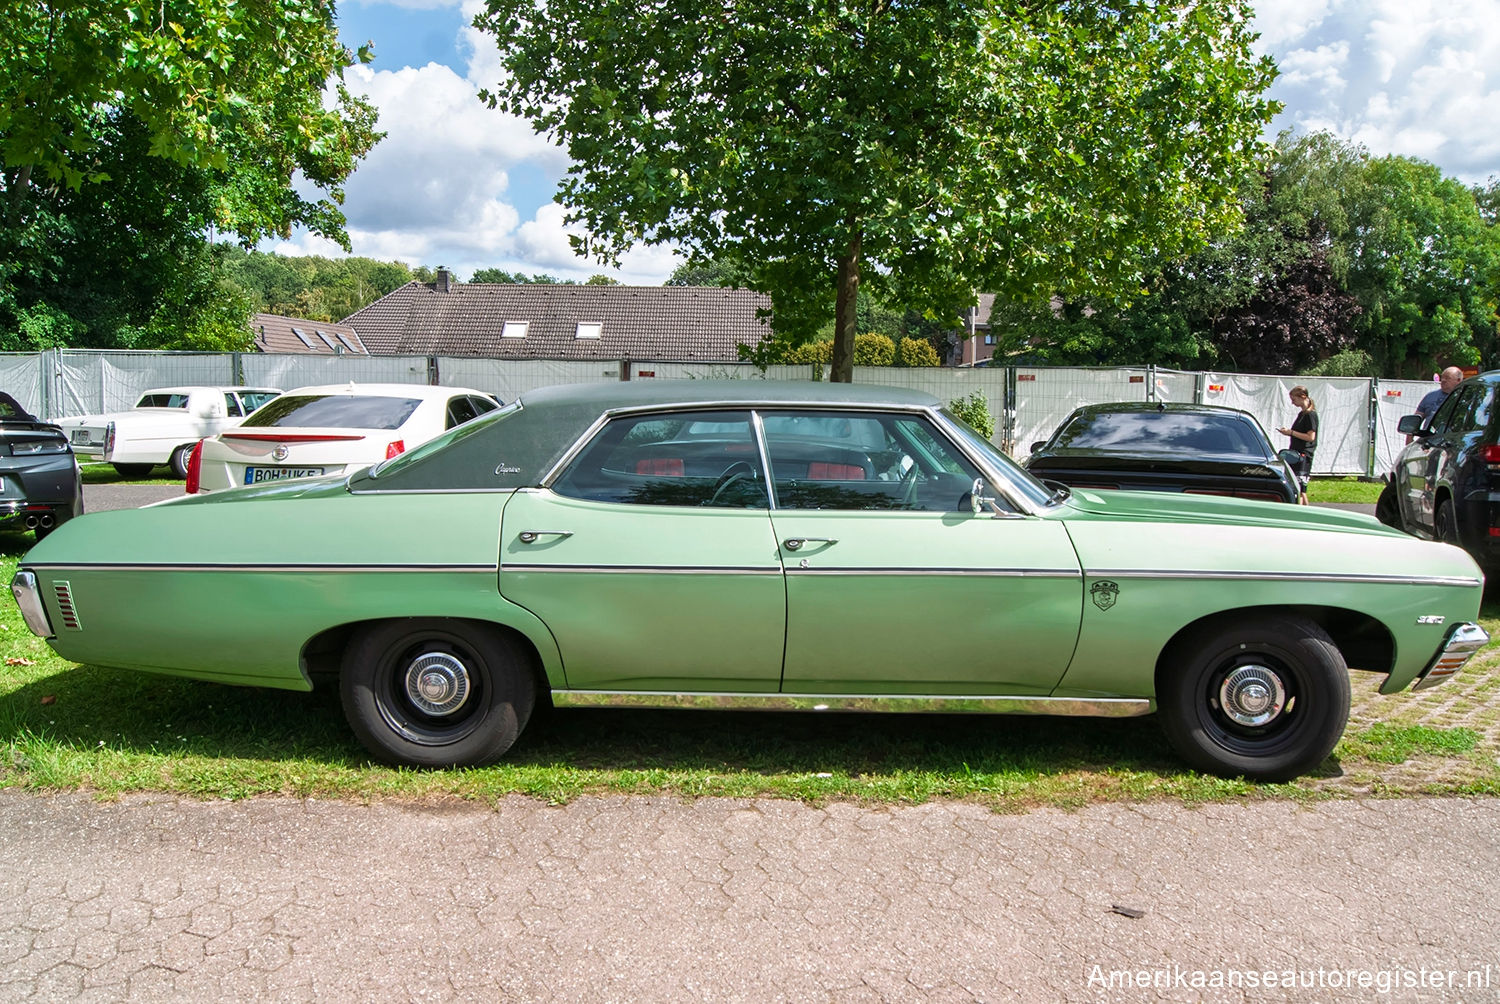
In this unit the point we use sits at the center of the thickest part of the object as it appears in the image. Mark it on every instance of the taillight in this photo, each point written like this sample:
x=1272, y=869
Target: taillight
x=395, y=449
x=109, y=440
x=194, y=468
x=1492, y=457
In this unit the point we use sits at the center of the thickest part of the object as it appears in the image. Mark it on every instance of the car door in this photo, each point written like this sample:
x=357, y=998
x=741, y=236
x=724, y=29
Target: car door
x=894, y=585
x=1426, y=465
x=651, y=558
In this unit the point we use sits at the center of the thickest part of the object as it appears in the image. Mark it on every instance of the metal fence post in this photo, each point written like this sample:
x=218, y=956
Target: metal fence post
x=1008, y=419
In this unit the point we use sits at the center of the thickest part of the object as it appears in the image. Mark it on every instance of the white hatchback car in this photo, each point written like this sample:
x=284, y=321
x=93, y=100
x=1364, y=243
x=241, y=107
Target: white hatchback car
x=313, y=431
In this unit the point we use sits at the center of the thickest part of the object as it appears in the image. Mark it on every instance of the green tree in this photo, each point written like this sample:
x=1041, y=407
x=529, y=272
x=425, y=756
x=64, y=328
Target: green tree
x=499, y=275
x=922, y=150
x=161, y=125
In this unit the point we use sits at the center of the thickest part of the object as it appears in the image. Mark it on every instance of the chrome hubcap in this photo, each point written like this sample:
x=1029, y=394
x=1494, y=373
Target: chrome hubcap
x=437, y=683
x=1252, y=696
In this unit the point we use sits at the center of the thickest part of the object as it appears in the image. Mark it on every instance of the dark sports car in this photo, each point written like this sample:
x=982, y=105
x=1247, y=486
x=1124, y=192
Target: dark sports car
x=40, y=485
x=1200, y=449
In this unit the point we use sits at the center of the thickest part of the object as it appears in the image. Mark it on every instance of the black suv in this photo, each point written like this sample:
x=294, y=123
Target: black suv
x=1446, y=482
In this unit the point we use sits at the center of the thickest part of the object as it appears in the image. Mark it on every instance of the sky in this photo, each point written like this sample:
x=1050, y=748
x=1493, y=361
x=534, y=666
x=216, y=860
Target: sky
x=458, y=185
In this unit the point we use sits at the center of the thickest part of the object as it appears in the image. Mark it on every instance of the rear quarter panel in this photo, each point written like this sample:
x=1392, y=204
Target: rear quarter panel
x=232, y=591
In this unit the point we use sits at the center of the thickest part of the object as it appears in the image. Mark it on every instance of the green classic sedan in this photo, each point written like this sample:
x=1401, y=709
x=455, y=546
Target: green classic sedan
x=748, y=544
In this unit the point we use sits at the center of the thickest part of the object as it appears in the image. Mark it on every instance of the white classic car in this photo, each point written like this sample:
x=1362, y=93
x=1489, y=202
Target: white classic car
x=163, y=427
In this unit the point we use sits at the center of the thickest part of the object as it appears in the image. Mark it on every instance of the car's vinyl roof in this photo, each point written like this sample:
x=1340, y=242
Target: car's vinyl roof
x=646, y=392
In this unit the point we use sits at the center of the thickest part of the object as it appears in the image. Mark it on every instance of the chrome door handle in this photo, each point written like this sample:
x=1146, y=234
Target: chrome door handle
x=795, y=543
x=530, y=536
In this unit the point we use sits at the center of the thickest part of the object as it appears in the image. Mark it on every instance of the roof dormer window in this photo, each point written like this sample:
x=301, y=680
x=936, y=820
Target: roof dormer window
x=302, y=337
x=514, y=329
x=590, y=329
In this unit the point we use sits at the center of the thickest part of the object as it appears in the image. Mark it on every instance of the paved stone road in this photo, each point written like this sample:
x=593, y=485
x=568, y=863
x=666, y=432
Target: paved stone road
x=645, y=898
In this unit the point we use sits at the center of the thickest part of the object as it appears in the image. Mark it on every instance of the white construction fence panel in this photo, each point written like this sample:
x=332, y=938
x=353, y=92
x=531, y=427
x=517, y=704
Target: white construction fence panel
x=302, y=369
x=100, y=382
x=21, y=378
x=1046, y=396
x=1343, y=405
x=508, y=379
x=1395, y=399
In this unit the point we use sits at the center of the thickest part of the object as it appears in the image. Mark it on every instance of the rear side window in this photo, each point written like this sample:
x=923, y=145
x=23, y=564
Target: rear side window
x=253, y=399
x=345, y=411
x=688, y=459
x=162, y=401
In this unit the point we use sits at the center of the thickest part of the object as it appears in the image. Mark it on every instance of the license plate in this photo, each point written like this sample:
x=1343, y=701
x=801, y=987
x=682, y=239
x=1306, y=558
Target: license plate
x=81, y=436
x=255, y=475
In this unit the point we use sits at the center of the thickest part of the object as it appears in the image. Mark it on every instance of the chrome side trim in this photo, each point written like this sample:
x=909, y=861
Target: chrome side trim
x=1352, y=578
x=980, y=573
x=23, y=588
x=1462, y=643
x=211, y=566
x=652, y=569
x=1092, y=707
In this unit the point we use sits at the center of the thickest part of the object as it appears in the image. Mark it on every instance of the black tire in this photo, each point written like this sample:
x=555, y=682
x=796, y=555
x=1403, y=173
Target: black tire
x=1218, y=706
x=1445, y=523
x=132, y=470
x=178, y=462
x=1388, y=507
x=464, y=726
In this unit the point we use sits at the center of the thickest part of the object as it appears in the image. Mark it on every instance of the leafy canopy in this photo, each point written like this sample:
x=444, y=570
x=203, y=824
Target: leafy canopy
x=924, y=149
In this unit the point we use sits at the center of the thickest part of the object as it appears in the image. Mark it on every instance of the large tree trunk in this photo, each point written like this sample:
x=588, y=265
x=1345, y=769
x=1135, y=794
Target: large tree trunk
x=842, y=370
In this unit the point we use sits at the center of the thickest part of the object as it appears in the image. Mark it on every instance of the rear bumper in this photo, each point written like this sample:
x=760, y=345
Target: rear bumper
x=24, y=588
x=1463, y=641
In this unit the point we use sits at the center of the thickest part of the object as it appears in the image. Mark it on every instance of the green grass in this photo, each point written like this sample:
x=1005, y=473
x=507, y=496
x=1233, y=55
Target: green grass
x=64, y=726
x=1343, y=490
x=105, y=474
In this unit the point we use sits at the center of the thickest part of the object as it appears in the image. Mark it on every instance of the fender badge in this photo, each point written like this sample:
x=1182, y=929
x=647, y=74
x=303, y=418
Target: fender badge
x=1431, y=619
x=1104, y=593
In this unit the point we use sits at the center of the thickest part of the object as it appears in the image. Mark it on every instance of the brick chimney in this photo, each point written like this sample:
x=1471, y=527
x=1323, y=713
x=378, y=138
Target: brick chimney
x=444, y=281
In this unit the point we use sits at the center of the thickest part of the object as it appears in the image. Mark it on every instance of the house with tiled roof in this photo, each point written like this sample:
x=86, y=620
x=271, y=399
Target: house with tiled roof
x=544, y=321
x=276, y=333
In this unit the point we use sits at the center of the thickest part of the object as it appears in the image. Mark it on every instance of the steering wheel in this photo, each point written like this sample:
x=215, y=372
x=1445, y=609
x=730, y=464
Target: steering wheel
x=910, y=478
x=735, y=472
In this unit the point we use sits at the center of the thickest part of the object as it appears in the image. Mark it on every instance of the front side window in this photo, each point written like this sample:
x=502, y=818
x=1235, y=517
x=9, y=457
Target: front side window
x=682, y=459
x=864, y=461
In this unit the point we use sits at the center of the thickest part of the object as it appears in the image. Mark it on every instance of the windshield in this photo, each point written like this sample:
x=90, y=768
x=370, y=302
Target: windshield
x=1021, y=480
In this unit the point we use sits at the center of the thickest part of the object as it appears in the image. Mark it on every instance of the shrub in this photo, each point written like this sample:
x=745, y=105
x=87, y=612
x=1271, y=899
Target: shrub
x=874, y=350
x=810, y=352
x=975, y=412
x=916, y=352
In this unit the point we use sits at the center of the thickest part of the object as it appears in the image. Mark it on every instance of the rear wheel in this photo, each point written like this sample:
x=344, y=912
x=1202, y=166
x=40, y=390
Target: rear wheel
x=179, y=460
x=1266, y=699
x=133, y=470
x=436, y=693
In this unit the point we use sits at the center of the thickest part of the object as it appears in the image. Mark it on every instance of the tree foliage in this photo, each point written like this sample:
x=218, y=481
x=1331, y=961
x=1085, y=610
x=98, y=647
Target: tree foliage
x=317, y=288
x=922, y=150
x=136, y=132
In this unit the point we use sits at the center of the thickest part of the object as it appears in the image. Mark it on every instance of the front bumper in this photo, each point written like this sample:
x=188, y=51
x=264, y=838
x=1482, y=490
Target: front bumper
x=1463, y=641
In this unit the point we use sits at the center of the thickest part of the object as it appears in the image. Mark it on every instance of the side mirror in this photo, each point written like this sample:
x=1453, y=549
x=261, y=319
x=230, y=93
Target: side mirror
x=1411, y=425
x=1038, y=445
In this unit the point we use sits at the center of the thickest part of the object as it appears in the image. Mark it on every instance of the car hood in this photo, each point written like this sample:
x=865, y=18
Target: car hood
x=1159, y=507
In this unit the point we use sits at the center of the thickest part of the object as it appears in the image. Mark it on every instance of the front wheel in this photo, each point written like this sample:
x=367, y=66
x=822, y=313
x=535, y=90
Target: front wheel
x=1267, y=699
x=436, y=693
x=1388, y=507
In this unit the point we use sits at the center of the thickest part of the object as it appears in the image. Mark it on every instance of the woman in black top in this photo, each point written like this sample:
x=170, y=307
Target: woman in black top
x=1303, y=437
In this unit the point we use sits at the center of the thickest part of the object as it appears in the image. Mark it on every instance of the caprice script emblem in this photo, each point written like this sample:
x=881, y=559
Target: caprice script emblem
x=504, y=468
x=1104, y=593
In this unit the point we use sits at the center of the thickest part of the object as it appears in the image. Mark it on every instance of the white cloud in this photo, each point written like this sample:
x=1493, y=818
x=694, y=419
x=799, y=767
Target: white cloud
x=1418, y=78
